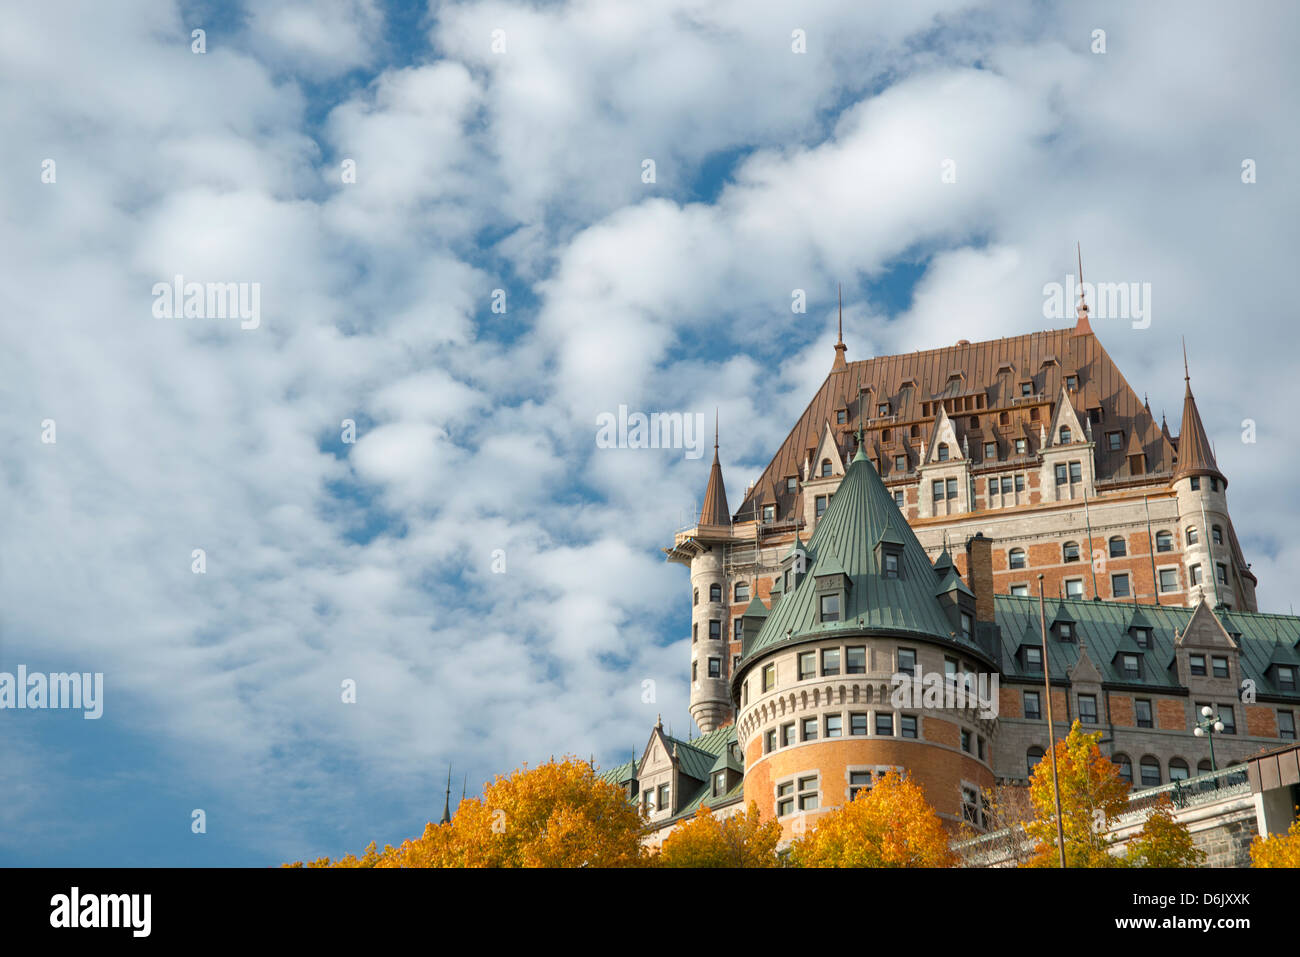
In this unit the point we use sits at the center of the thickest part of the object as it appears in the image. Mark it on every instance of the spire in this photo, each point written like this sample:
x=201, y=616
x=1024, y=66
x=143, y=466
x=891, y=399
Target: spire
x=1195, y=454
x=1082, y=327
x=840, y=348
x=446, y=804
x=715, y=511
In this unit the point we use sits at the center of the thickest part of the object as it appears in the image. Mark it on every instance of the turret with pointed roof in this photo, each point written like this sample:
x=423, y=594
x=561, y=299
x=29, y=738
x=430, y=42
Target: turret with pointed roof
x=1195, y=455
x=715, y=511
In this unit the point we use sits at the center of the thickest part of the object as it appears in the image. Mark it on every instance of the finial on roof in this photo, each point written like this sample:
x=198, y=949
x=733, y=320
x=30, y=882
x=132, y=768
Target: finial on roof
x=446, y=804
x=1187, y=376
x=840, y=347
x=659, y=723
x=1082, y=327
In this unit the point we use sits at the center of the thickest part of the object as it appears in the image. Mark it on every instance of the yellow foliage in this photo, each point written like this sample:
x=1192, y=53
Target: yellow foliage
x=742, y=840
x=890, y=825
x=559, y=814
x=1277, y=850
x=1092, y=795
x=1163, y=842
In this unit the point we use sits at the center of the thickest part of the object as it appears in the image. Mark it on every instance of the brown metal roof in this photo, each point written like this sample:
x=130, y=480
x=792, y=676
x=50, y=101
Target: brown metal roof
x=1195, y=457
x=715, y=511
x=964, y=373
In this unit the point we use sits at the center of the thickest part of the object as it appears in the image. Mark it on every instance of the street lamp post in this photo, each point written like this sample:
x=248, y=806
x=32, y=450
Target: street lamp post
x=1206, y=727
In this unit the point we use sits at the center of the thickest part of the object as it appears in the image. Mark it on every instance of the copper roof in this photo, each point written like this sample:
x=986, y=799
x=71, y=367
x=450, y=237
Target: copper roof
x=1195, y=457
x=965, y=371
x=715, y=511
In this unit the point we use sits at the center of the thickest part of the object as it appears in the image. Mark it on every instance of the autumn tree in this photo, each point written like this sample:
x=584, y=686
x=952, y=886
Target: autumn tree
x=741, y=840
x=1277, y=850
x=1093, y=795
x=890, y=825
x=1164, y=841
x=559, y=814
x=1007, y=809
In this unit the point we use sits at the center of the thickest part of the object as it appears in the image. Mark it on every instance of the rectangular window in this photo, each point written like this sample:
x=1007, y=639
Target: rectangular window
x=769, y=677
x=769, y=513
x=1286, y=725
x=715, y=629
x=1032, y=706
x=785, y=799
x=1020, y=591
x=936, y=489
x=950, y=668
x=858, y=723
x=664, y=803
x=830, y=607
x=965, y=740
x=834, y=725
x=738, y=629
x=1061, y=476
x=858, y=781
x=979, y=747
x=1020, y=447
x=970, y=805
x=1196, y=664
x=907, y=726
x=1228, y=718
x=1119, y=585
x=1221, y=573
x=1034, y=660
x=1142, y=709
x=1131, y=666
x=1285, y=678
x=1076, y=473
x=993, y=487
x=810, y=729
x=898, y=497
x=1196, y=483
x=1220, y=666
x=967, y=624
x=952, y=488
x=715, y=667
x=1074, y=588
x=830, y=661
x=808, y=793
x=884, y=724
x=841, y=417
x=891, y=565
x=787, y=735
x=855, y=660
x=769, y=741
x=1006, y=485
x=900, y=463
x=1088, y=708
x=1196, y=574
x=808, y=665
x=907, y=661
x=820, y=502
x=1026, y=389
x=1115, y=440
x=1168, y=579
x=990, y=450
x=792, y=484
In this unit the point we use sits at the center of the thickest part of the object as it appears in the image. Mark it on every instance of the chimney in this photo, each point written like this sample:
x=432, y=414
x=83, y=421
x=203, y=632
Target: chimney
x=979, y=575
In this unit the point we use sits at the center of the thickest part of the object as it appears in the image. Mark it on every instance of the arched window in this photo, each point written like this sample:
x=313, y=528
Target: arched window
x=1117, y=547
x=1164, y=542
x=1150, y=771
x=1178, y=770
x=943, y=451
x=1016, y=558
x=1032, y=757
x=1065, y=435
x=715, y=592
x=1192, y=537
x=826, y=468
x=742, y=591
x=695, y=597
x=1125, y=765
x=1070, y=552
x=1216, y=534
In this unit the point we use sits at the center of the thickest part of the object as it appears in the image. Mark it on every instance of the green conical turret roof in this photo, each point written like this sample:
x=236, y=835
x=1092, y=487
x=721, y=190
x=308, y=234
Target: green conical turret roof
x=861, y=514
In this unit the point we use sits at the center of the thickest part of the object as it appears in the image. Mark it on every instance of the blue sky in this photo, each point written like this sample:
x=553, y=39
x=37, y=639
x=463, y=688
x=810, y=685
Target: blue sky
x=521, y=170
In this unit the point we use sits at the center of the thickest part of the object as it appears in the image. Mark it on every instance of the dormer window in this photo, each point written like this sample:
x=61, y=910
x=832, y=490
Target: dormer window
x=1114, y=441
x=943, y=451
x=990, y=451
x=1033, y=659
x=1065, y=435
x=1072, y=383
x=826, y=468
x=1131, y=665
x=890, y=568
x=769, y=513
x=792, y=484
x=1285, y=678
x=882, y=409
x=967, y=626
x=1065, y=630
x=1026, y=389
x=1143, y=637
x=829, y=607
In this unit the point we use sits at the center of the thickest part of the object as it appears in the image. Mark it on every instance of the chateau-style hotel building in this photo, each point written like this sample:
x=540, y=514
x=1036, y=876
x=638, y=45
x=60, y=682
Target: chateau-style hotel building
x=903, y=525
